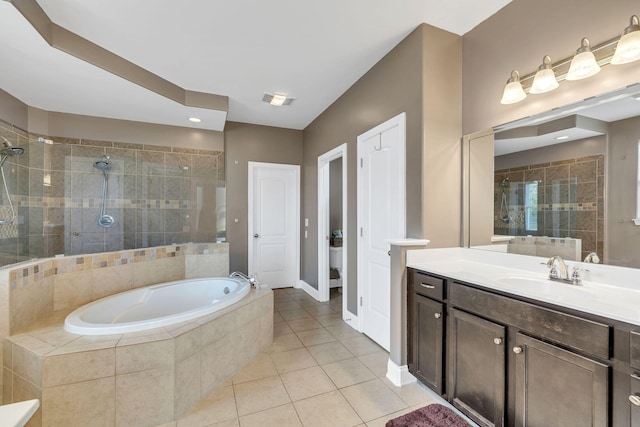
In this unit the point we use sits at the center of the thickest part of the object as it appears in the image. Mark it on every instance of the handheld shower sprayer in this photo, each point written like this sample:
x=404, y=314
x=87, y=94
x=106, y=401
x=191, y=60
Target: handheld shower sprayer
x=7, y=151
x=104, y=220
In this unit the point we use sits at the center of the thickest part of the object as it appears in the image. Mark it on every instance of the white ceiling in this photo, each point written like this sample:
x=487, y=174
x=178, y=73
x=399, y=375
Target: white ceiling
x=310, y=50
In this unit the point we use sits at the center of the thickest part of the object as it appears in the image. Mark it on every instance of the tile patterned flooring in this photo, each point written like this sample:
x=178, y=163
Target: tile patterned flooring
x=318, y=372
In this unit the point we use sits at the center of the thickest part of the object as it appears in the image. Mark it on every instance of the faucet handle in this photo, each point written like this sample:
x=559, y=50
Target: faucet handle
x=575, y=276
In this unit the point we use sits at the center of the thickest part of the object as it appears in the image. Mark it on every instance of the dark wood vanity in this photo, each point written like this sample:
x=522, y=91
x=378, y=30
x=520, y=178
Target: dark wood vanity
x=506, y=360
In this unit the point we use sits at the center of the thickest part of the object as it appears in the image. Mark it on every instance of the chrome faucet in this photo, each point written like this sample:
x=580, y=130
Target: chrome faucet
x=559, y=271
x=253, y=280
x=593, y=258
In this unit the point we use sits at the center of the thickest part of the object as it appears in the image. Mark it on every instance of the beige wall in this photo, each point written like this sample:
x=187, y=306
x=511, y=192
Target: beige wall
x=13, y=110
x=622, y=235
x=421, y=77
x=518, y=36
x=245, y=143
x=552, y=153
x=77, y=126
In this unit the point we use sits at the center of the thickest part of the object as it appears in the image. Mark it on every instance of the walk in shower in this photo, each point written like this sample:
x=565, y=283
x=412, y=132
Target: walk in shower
x=73, y=196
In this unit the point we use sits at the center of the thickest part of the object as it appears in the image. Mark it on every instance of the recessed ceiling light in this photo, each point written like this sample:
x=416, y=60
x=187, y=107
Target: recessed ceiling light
x=194, y=119
x=277, y=99
x=560, y=138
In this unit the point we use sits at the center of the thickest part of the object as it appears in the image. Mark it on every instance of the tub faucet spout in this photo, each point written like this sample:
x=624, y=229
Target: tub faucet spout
x=252, y=280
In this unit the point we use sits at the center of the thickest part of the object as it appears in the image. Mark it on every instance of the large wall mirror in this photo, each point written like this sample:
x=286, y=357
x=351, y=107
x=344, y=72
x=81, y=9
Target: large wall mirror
x=565, y=182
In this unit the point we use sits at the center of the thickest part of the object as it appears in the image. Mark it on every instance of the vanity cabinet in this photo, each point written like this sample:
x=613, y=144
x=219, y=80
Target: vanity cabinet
x=477, y=367
x=514, y=362
x=556, y=387
x=426, y=320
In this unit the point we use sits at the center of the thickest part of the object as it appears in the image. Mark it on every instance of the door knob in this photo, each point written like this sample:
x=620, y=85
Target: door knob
x=437, y=315
x=256, y=235
x=634, y=399
x=517, y=349
x=497, y=341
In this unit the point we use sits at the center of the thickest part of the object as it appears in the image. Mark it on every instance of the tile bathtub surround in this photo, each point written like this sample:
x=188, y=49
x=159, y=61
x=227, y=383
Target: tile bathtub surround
x=143, y=379
x=340, y=382
x=158, y=195
x=34, y=290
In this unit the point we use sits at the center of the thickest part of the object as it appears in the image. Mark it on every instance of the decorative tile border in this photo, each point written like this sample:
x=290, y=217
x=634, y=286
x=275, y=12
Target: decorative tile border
x=69, y=202
x=40, y=270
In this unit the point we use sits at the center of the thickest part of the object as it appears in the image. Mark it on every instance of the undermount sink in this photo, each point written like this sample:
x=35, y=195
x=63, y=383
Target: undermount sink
x=540, y=286
x=523, y=281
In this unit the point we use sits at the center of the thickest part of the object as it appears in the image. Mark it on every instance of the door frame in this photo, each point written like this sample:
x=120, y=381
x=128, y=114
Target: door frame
x=323, y=225
x=253, y=166
x=401, y=121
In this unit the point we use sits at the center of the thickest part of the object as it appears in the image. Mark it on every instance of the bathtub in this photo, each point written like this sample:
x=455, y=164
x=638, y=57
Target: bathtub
x=155, y=306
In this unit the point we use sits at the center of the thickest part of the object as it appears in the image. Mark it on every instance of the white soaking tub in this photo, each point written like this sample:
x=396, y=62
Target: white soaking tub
x=155, y=306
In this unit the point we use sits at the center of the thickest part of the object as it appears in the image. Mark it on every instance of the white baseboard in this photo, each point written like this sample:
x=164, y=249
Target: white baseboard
x=308, y=289
x=399, y=375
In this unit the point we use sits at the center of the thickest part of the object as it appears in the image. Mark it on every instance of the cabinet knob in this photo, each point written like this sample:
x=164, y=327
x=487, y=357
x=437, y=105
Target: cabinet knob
x=437, y=315
x=634, y=399
x=497, y=341
x=517, y=349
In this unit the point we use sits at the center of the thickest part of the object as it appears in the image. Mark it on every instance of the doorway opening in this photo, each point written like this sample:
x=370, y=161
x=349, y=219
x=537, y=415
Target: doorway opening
x=332, y=227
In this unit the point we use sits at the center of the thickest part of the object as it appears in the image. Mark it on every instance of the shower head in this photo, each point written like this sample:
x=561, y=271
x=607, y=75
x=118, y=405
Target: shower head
x=505, y=182
x=103, y=164
x=9, y=149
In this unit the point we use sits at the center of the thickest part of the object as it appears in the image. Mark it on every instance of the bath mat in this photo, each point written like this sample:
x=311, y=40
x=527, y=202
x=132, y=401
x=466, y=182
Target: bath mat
x=434, y=415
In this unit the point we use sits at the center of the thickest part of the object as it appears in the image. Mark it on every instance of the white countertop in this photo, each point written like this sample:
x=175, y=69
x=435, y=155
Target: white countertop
x=608, y=291
x=17, y=414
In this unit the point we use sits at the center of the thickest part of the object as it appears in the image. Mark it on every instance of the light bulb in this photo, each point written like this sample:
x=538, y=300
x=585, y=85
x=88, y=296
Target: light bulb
x=584, y=64
x=513, y=91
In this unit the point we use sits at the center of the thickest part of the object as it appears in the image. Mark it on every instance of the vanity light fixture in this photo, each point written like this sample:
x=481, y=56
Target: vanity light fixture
x=277, y=99
x=513, y=91
x=194, y=119
x=545, y=79
x=584, y=63
x=628, y=48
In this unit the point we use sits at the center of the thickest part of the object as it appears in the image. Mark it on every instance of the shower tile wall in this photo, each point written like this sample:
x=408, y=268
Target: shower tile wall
x=570, y=200
x=157, y=195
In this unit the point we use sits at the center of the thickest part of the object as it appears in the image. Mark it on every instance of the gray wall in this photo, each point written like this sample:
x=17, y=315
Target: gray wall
x=421, y=77
x=335, y=195
x=245, y=143
x=518, y=36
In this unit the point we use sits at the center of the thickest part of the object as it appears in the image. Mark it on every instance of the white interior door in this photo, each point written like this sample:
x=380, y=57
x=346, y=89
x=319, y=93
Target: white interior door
x=381, y=216
x=274, y=223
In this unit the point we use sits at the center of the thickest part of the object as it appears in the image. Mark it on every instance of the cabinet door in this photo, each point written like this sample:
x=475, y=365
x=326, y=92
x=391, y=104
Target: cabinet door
x=558, y=388
x=428, y=344
x=634, y=400
x=477, y=368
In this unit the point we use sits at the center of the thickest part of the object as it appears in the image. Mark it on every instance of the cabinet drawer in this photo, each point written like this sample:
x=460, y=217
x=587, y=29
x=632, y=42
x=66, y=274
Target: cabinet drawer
x=634, y=357
x=428, y=286
x=581, y=334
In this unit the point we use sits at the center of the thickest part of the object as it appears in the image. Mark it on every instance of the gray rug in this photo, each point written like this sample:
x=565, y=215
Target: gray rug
x=434, y=415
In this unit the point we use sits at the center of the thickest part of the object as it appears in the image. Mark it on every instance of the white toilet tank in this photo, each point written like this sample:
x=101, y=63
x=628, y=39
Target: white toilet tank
x=335, y=257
